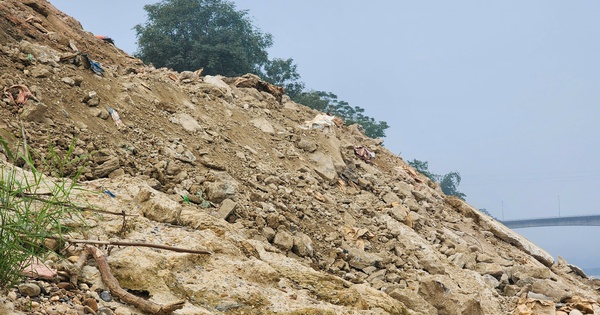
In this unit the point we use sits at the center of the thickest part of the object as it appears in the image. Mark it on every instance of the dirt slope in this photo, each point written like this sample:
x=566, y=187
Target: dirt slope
x=297, y=221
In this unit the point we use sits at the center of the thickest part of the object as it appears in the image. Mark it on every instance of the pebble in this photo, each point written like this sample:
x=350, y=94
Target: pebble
x=122, y=311
x=29, y=289
x=91, y=303
x=104, y=311
x=12, y=295
x=105, y=296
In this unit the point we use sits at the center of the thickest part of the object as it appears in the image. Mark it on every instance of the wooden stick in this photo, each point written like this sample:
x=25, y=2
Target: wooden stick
x=120, y=243
x=75, y=270
x=111, y=282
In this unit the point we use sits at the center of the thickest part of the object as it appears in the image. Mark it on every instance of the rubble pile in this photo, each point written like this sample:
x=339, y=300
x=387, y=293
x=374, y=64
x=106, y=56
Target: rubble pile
x=301, y=214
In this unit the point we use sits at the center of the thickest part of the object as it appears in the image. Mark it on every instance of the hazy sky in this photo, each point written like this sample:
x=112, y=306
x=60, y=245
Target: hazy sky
x=506, y=93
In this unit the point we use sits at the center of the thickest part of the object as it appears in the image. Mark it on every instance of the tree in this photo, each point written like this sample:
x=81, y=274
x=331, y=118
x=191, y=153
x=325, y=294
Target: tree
x=329, y=103
x=284, y=73
x=449, y=182
x=449, y=185
x=423, y=168
x=209, y=34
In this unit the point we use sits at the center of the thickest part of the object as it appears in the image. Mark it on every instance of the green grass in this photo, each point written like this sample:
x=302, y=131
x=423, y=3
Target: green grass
x=32, y=207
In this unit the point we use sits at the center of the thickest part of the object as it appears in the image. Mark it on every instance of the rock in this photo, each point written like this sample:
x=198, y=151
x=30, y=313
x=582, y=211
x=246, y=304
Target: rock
x=413, y=301
x=224, y=187
x=575, y=312
x=122, y=311
x=90, y=274
x=29, y=289
x=216, y=81
x=173, y=168
x=284, y=240
x=307, y=145
x=41, y=72
x=419, y=195
x=442, y=293
x=484, y=258
x=537, y=296
x=323, y=165
x=359, y=259
x=188, y=75
x=491, y=281
x=399, y=212
x=302, y=245
x=162, y=209
x=91, y=303
x=104, y=311
x=68, y=81
x=186, y=121
x=105, y=296
x=91, y=99
x=226, y=208
x=262, y=124
x=33, y=111
x=107, y=167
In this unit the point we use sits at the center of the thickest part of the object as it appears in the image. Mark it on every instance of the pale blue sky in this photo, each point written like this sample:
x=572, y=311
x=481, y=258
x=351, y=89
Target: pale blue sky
x=506, y=93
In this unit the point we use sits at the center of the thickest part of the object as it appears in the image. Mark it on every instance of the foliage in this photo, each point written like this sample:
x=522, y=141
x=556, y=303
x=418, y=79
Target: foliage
x=194, y=34
x=329, y=103
x=449, y=182
x=284, y=73
x=33, y=209
x=423, y=168
x=212, y=34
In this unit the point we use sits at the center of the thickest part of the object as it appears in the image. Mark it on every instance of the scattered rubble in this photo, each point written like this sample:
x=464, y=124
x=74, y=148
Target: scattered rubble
x=299, y=214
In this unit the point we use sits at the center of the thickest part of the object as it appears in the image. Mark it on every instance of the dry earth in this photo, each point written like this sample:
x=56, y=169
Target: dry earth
x=296, y=221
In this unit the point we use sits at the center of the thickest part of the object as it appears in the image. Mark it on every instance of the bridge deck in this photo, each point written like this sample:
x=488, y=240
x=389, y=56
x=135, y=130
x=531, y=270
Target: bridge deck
x=586, y=220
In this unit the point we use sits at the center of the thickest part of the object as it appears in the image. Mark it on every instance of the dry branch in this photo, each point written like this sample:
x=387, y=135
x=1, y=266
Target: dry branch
x=121, y=243
x=111, y=282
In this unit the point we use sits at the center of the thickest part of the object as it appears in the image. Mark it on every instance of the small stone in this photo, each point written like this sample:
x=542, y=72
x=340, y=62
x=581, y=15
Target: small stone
x=68, y=81
x=122, y=311
x=226, y=208
x=73, y=259
x=104, y=311
x=29, y=289
x=12, y=295
x=91, y=303
x=105, y=296
x=284, y=240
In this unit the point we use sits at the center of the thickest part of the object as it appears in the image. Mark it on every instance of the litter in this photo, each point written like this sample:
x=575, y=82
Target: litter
x=108, y=192
x=94, y=65
x=22, y=94
x=364, y=153
x=319, y=122
x=106, y=39
x=115, y=116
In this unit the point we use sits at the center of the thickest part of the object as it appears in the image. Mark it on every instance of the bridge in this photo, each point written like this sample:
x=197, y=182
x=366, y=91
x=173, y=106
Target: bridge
x=584, y=220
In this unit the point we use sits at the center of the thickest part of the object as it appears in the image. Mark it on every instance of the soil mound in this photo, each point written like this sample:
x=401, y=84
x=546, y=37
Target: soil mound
x=301, y=214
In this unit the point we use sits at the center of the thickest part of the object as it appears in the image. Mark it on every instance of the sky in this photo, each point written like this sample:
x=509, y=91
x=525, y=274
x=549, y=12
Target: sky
x=506, y=93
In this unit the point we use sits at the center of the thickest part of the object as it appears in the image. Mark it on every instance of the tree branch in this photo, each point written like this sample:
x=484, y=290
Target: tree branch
x=120, y=243
x=111, y=282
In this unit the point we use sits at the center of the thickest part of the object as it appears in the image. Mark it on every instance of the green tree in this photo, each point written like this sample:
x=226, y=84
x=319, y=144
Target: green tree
x=449, y=182
x=423, y=168
x=329, y=103
x=209, y=34
x=284, y=73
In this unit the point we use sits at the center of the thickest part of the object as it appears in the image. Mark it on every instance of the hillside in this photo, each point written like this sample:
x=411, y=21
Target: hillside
x=299, y=218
